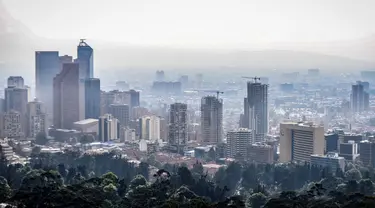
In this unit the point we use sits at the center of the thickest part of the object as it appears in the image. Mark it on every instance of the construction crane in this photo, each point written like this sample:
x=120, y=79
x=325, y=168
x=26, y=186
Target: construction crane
x=214, y=91
x=253, y=78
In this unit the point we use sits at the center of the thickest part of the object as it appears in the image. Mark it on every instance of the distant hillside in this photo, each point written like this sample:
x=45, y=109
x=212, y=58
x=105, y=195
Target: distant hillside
x=17, y=46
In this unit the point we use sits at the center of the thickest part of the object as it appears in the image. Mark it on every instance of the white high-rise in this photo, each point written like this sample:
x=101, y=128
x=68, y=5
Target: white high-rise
x=149, y=127
x=36, y=119
x=238, y=142
x=298, y=141
x=109, y=128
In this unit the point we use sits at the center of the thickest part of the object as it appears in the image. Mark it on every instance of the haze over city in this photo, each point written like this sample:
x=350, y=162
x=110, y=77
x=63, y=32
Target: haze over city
x=200, y=103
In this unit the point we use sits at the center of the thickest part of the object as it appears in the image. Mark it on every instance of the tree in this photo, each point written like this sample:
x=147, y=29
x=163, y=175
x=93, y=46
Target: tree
x=257, y=200
x=5, y=190
x=86, y=139
x=366, y=187
x=41, y=138
x=36, y=150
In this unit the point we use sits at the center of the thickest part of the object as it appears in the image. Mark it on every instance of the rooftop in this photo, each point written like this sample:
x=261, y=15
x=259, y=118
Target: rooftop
x=86, y=121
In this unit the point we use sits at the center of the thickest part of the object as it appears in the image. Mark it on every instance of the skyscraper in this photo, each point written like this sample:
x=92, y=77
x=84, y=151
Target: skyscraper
x=16, y=98
x=257, y=109
x=134, y=98
x=92, y=98
x=177, y=135
x=85, y=59
x=68, y=97
x=121, y=112
x=47, y=66
x=359, y=98
x=211, y=120
x=36, y=119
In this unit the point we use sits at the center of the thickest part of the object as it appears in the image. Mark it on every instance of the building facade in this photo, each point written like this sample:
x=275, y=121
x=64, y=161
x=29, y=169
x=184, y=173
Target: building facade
x=238, y=142
x=86, y=60
x=121, y=112
x=47, y=66
x=92, y=98
x=68, y=93
x=298, y=141
x=177, y=135
x=211, y=120
x=257, y=109
x=331, y=160
x=149, y=127
x=11, y=125
x=36, y=119
x=109, y=128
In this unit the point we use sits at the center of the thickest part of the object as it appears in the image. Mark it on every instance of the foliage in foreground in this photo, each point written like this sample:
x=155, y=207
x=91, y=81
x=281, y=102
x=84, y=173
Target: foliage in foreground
x=74, y=180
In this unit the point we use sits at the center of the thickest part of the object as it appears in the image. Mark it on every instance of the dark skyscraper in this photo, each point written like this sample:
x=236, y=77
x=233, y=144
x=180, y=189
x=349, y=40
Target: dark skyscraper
x=359, y=98
x=85, y=59
x=177, y=136
x=211, y=120
x=257, y=106
x=92, y=98
x=47, y=66
x=134, y=98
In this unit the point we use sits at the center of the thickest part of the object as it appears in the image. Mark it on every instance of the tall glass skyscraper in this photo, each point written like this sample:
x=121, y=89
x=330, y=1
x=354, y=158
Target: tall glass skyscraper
x=92, y=98
x=85, y=59
x=47, y=66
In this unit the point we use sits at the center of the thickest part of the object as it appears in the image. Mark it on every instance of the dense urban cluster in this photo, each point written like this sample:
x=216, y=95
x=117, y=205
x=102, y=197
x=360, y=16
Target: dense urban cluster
x=302, y=140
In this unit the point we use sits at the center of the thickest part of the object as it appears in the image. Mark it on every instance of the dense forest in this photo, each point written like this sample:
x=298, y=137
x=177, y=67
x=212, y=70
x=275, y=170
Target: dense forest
x=73, y=180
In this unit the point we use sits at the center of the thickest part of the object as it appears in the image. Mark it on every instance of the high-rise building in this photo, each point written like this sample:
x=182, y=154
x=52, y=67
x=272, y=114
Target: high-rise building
x=298, y=141
x=121, y=112
x=92, y=98
x=16, y=81
x=11, y=125
x=134, y=98
x=36, y=119
x=149, y=127
x=177, y=135
x=106, y=99
x=332, y=142
x=47, y=66
x=65, y=59
x=85, y=59
x=184, y=80
x=109, y=128
x=68, y=93
x=211, y=120
x=16, y=98
x=313, y=72
x=160, y=76
x=257, y=109
x=367, y=153
x=238, y=142
x=359, y=98
x=349, y=150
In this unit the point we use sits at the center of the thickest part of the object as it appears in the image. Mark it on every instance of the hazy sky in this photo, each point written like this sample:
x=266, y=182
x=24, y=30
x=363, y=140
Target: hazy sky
x=197, y=22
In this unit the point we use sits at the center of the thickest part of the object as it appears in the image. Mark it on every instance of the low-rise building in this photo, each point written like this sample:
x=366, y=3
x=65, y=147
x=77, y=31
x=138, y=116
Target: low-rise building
x=260, y=153
x=332, y=160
